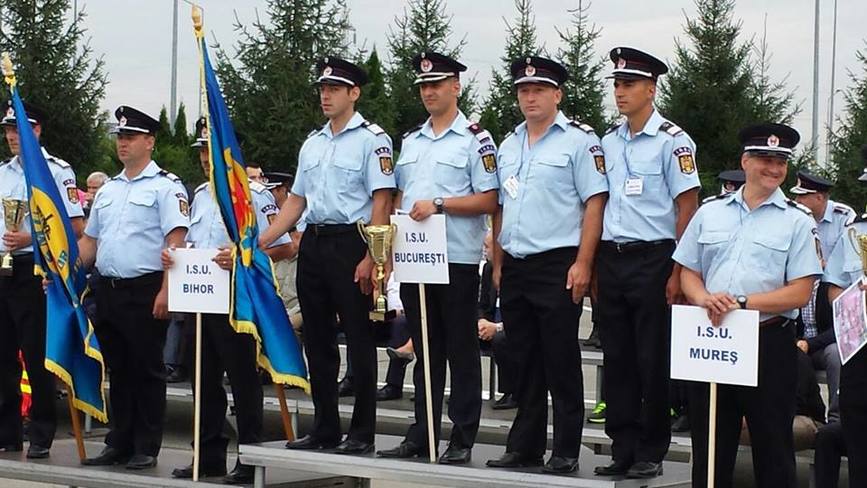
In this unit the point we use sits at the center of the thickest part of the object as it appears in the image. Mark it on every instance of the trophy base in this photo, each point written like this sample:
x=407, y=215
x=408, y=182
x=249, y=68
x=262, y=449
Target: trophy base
x=5, y=271
x=382, y=316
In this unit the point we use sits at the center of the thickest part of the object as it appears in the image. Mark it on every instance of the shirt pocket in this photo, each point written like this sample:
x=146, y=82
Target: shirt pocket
x=347, y=174
x=142, y=205
x=768, y=255
x=403, y=169
x=646, y=167
x=553, y=170
x=712, y=244
x=451, y=172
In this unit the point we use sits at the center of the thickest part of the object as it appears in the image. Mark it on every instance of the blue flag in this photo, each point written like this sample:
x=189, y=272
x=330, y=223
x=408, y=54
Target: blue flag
x=71, y=349
x=256, y=307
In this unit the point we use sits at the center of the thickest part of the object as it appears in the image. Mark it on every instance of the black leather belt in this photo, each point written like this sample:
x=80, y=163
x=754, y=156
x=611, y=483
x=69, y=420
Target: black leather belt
x=143, y=280
x=332, y=229
x=634, y=246
x=774, y=322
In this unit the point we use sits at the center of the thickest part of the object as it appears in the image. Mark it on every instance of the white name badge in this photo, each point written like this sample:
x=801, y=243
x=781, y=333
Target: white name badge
x=634, y=186
x=196, y=283
x=511, y=186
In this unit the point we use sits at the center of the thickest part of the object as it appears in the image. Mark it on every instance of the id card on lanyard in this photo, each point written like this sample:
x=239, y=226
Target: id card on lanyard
x=634, y=184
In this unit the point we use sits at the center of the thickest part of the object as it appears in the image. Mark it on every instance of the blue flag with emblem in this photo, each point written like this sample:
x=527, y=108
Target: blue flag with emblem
x=71, y=349
x=256, y=307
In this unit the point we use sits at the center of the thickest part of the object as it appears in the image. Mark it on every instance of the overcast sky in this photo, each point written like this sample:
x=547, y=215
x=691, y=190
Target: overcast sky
x=135, y=36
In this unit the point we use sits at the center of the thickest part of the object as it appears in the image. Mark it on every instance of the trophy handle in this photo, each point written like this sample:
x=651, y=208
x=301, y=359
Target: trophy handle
x=361, y=230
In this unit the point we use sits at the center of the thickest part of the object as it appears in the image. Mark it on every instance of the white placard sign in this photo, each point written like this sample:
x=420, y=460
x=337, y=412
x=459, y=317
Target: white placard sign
x=420, y=251
x=728, y=354
x=197, y=284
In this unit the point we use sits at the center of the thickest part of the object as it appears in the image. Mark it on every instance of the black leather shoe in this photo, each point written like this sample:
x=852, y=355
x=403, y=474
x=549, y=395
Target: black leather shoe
x=205, y=471
x=406, y=449
x=506, y=402
x=352, y=446
x=616, y=468
x=345, y=389
x=681, y=424
x=37, y=452
x=310, y=442
x=12, y=448
x=456, y=455
x=514, y=460
x=389, y=392
x=644, y=470
x=177, y=375
x=243, y=474
x=560, y=465
x=141, y=461
x=108, y=457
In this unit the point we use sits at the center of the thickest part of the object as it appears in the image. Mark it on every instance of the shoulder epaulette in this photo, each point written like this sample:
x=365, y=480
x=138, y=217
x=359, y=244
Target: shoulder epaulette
x=63, y=164
x=800, y=207
x=170, y=175
x=312, y=133
x=377, y=130
x=414, y=129
x=859, y=218
x=5, y=161
x=670, y=128
x=201, y=187
x=586, y=128
x=843, y=208
x=714, y=197
x=611, y=128
x=257, y=187
x=482, y=135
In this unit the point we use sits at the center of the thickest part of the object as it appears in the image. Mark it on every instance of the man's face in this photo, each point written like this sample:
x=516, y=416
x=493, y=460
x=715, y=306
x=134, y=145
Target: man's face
x=816, y=202
x=93, y=185
x=134, y=147
x=538, y=101
x=336, y=100
x=205, y=161
x=440, y=96
x=765, y=172
x=632, y=96
x=256, y=174
x=12, y=137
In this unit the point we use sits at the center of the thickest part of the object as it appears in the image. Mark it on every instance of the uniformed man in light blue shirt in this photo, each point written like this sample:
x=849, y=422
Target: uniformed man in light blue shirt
x=447, y=165
x=224, y=351
x=345, y=175
x=22, y=300
x=653, y=180
x=844, y=267
x=553, y=192
x=817, y=337
x=753, y=249
x=135, y=215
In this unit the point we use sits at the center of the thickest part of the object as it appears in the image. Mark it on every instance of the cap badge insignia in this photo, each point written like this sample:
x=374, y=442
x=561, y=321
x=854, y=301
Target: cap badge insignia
x=773, y=141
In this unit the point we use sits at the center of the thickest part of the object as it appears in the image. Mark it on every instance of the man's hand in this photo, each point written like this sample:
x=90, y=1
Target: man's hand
x=487, y=329
x=577, y=280
x=363, y=273
x=16, y=240
x=803, y=345
x=673, y=292
x=223, y=258
x=422, y=209
x=166, y=258
x=161, y=304
x=717, y=305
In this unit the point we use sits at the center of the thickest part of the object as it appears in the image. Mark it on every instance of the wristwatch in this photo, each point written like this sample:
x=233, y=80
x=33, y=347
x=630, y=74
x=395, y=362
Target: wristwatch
x=742, y=301
x=438, y=203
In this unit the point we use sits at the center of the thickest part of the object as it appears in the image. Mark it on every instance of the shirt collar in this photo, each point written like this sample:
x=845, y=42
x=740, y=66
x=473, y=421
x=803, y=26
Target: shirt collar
x=150, y=170
x=777, y=198
x=459, y=127
x=16, y=160
x=651, y=127
x=829, y=212
x=560, y=121
x=354, y=122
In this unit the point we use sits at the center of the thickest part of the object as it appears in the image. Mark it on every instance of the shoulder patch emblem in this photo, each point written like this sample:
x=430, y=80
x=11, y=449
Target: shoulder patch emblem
x=685, y=160
x=72, y=194
x=386, y=164
x=598, y=158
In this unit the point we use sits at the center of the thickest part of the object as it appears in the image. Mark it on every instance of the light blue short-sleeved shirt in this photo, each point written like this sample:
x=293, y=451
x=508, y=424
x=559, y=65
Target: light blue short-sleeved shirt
x=207, y=230
x=554, y=178
x=835, y=219
x=743, y=252
x=662, y=156
x=13, y=186
x=130, y=220
x=458, y=162
x=843, y=266
x=338, y=173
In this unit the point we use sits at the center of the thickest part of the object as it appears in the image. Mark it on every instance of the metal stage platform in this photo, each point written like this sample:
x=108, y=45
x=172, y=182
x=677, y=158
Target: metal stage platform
x=412, y=472
x=63, y=468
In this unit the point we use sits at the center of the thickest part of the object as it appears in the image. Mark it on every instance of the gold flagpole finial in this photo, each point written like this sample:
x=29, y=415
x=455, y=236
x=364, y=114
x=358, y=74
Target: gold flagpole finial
x=197, y=20
x=8, y=69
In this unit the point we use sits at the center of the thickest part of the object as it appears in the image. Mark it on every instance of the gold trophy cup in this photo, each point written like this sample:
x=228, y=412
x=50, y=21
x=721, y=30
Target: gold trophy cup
x=859, y=242
x=13, y=215
x=379, y=239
